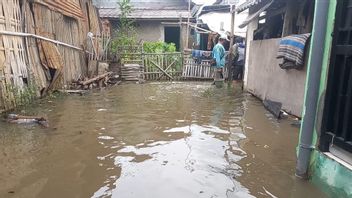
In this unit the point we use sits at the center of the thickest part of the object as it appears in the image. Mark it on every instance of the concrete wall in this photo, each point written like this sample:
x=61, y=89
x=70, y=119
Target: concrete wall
x=150, y=31
x=153, y=30
x=249, y=37
x=267, y=80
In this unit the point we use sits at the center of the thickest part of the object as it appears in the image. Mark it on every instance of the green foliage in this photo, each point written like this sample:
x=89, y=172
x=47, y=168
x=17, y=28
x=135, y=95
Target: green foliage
x=23, y=96
x=158, y=47
x=126, y=33
x=161, y=47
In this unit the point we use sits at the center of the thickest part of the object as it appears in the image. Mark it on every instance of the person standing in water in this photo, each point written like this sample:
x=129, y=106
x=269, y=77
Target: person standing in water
x=238, y=64
x=219, y=56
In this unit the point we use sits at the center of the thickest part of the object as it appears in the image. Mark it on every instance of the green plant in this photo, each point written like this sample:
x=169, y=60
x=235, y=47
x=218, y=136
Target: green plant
x=158, y=47
x=169, y=57
x=23, y=96
x=126, y=33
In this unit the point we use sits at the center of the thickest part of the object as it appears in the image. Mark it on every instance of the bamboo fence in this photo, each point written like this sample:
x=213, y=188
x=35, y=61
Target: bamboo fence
x=195, y=70
x=155, y=66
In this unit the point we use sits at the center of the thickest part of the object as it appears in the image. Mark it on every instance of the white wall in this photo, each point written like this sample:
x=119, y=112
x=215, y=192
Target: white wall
x=267, y=80
x=249, y=37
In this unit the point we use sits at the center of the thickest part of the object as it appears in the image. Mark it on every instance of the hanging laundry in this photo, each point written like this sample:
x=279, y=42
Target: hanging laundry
x=200, y=55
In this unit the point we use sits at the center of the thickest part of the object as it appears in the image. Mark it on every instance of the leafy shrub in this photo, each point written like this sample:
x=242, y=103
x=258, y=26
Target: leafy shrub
x=159, y=47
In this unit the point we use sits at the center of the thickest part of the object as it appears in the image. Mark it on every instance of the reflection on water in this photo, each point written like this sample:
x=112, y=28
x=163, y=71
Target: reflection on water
x=153, y=140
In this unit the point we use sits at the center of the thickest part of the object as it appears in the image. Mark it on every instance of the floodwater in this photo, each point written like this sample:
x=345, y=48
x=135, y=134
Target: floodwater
x=158, y=140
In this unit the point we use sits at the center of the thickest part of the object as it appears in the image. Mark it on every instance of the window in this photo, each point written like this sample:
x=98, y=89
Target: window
x=337, y=117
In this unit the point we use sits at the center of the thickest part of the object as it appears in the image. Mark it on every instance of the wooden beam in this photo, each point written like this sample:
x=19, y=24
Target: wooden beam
x=188, y=18
x=87, y=82
x=233, y=15
x=291, y=11
x=167, y=68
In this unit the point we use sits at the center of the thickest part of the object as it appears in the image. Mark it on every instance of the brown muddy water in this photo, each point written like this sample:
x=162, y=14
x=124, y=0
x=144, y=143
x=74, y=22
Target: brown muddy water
x=158, y=140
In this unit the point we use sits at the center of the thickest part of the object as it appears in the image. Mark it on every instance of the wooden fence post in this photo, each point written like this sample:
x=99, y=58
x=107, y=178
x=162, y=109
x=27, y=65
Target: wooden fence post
x=233, y=13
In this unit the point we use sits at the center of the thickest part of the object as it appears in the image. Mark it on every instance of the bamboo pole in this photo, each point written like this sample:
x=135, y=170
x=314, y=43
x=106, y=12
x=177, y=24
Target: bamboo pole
x=202, y=29
x=39, y=37
x=181, y=30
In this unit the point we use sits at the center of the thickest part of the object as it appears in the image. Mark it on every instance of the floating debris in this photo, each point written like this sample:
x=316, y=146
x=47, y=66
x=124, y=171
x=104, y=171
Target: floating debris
x=267, y=192
x=19, y=119
x=100, y=81
x=106, y=138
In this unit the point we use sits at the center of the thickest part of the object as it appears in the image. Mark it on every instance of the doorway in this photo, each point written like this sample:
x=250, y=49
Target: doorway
x=172, y=35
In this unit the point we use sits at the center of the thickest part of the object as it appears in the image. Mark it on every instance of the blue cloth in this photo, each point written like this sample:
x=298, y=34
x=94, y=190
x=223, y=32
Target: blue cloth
x=200, y=55
x=219, y=55
x=196, y=53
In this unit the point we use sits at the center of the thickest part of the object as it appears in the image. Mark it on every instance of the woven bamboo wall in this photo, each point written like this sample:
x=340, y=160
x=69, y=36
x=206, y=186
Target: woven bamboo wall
x=13, y=69
x=25, y=59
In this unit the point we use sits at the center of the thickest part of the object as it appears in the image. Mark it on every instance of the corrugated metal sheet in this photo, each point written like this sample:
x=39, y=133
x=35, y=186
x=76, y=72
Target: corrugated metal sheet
x=248, y=4
x=145, y=14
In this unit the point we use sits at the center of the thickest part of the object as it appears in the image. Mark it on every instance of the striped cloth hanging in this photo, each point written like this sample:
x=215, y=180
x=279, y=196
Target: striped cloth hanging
x=292, y=48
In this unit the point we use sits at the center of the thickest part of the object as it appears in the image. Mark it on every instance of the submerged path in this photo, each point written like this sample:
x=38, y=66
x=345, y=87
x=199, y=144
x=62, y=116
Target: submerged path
x=158, y=140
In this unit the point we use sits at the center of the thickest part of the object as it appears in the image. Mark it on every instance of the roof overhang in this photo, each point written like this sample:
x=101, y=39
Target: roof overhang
x=246, y=5
x=199, y=10
x=253, y=16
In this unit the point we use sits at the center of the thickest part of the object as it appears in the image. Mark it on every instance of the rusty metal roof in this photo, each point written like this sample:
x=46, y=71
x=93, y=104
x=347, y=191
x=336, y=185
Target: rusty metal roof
x=144, y=4
x=145, y=13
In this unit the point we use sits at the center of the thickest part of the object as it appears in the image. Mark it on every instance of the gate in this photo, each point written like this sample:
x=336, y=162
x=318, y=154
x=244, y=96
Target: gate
x=337, y=118
x=155, y=66
x=162, y=66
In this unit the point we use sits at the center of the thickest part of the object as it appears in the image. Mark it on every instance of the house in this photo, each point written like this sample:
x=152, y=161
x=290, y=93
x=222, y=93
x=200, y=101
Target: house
x=156, y=20
x=322, y=91
x=325, y=148
x=267, y=23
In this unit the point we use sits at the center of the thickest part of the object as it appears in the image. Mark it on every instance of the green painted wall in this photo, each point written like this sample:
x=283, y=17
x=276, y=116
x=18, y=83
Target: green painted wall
x=330, y=176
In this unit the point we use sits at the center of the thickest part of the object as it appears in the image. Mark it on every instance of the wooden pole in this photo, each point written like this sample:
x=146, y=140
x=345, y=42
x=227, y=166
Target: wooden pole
x=233, y=13
x=202, y=29
x=181, y=30
x=188, y=20
x=20, y=34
